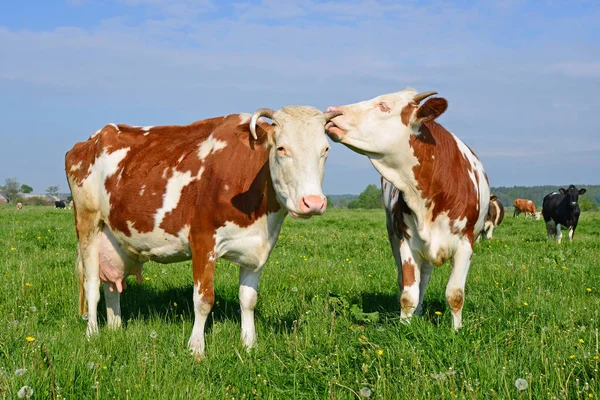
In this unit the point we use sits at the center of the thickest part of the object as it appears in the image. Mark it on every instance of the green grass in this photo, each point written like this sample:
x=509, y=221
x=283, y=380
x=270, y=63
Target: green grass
x=531, y=311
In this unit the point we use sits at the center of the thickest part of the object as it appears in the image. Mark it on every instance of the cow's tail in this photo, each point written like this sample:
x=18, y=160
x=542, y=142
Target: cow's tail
x=83, y=306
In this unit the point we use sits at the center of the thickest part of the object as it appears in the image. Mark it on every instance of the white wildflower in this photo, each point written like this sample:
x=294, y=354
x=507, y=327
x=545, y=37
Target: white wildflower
x=521, y=384
x=20, y=372
x=365, y=392
x=33, y=308
x=25, y=392
x=153, y=334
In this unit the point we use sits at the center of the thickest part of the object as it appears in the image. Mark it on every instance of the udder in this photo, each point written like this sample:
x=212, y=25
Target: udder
x=116, y=264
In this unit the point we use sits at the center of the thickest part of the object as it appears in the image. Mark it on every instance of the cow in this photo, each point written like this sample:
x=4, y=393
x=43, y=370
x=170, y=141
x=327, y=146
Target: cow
x=19, y=206
x=70, y=205
x=435, y=190
x=218, y=188
x=494, y=217
x=527, y=207
x=560, y=209
x=60, y=204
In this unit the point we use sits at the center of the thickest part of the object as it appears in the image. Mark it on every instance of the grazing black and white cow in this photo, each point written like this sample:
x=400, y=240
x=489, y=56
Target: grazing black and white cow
x=59, y=204
x=561, y=209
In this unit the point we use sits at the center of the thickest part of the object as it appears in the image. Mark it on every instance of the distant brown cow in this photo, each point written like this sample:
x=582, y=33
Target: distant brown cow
x=527, y=207
x=19, y=206
x=494, y=217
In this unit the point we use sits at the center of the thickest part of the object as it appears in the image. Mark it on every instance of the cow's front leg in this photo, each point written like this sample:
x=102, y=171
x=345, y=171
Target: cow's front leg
x=248, y=297
x=203, y=262
x=455, y=290
x=409, y=279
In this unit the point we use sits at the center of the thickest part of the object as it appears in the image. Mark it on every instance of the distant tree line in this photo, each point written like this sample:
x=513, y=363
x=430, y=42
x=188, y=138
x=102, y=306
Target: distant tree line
x=13, y=191
x=370, y=198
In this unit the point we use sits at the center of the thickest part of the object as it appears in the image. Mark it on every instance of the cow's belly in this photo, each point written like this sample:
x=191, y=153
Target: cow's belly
x=435, y=241
x=157, y=245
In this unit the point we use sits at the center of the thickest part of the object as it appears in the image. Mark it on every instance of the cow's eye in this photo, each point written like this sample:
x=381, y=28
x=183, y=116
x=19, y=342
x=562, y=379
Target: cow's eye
x=281, y=151
x=384, y=107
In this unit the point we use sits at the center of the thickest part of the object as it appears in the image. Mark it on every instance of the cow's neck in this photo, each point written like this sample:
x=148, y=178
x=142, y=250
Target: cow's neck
x=397, y=167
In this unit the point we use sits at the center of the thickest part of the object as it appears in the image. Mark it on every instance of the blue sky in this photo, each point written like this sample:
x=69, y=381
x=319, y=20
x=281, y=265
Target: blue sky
x=522, y=78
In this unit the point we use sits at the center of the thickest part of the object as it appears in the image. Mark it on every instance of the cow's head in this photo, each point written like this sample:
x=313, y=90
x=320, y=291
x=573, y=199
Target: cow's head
x=572, y=194
x=372, y=127
x=298, y=150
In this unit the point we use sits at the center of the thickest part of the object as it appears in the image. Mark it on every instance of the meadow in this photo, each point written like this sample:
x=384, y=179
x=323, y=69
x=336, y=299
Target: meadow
x=327, y=319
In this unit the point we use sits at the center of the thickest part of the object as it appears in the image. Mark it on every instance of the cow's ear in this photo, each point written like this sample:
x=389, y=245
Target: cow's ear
x=493, y=197
x=582, y=191
x=431, y=109
x=562, y=191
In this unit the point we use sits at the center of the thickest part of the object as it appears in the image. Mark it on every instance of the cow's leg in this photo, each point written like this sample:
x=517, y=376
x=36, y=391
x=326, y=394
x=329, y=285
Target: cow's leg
x=426, y=269
x=571, y=233
x=112, y=298
x=558, y=234
x=455, y=290
x=203, y=262
x=90, y=251
x=248, y=295
x=409, y=279
x=551, y=229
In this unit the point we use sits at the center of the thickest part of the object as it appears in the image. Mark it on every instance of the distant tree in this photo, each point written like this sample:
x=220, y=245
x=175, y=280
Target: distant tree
x=69, y=198
x=586, y=203
x=10, y=188
x=26, y=189
x=330, y=202
x=343, y=203
x=370, y=198
x=53, y=190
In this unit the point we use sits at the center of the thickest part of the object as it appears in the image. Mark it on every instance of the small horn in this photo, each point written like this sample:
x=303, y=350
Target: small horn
x=419, y=98
x=261, y=112
x=329, y=115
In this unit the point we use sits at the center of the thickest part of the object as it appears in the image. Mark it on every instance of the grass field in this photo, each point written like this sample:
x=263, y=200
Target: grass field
x=531, y=312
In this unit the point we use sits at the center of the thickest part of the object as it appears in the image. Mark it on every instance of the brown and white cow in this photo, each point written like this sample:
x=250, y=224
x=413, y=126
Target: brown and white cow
x=435, y=190
x=220, y=187
x=19, y=206
x=527, y=207
x=494, y=217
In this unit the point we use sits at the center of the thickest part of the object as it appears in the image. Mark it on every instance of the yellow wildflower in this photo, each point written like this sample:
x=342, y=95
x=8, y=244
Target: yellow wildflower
x=525, y=304
x=572, y=356
x=12, y=249
x=147, y=278
x=588, y=289
x=28, y=284
x=438, y=313
x=30, y=339
x=581, y=341
x=379, y=352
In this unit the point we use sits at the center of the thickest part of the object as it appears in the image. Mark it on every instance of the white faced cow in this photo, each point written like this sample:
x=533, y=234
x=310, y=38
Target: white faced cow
x=220, y=187
x=561, y=209
x=435, y=190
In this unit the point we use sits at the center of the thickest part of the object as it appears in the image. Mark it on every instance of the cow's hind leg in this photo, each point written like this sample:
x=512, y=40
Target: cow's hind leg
x=88, y=227
x=248, y=295
x=426, y=269
x=455, y=289
x=203, y=262
x=550, y=229
x=113, y=306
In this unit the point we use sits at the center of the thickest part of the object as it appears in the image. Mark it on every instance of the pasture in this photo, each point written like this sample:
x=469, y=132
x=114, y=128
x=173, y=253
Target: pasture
x=327, y=319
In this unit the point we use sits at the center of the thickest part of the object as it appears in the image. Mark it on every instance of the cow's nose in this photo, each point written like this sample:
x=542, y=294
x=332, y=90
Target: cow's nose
x=313, y=205
x=334, y=108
